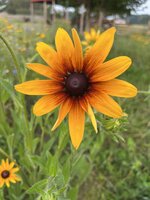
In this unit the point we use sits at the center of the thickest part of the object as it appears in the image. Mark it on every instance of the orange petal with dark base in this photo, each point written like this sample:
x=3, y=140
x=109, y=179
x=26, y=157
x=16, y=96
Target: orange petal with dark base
x=98, y=53
x=48, y=103
x=39, y=87
x=116, y=87
x=65, y=49
x=50, y=56
x=78, y=55
x=111, y=69
x=44, y=70
x=105, y=104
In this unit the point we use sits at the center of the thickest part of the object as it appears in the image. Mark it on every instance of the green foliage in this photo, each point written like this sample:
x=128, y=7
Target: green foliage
x=109, y=6
x=113, y=164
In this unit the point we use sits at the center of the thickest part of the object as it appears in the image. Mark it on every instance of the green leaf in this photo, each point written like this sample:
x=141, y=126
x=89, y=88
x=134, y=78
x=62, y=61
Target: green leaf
x=53, y=167
x=10, y=90
x=66, y=170
x=73, y=193
x=38, y=188
x=1, y=194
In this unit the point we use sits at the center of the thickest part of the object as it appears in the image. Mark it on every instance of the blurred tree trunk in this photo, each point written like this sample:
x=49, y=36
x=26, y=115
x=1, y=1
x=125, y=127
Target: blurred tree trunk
x=53, y=12
x=81, y=23
x=88, y=15
x=100, y=18
x=66, y=14
x=45, y=12
x=82, y=11
x=32, y=11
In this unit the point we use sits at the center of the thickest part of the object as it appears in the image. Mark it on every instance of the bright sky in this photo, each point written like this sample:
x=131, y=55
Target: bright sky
x=144, y=9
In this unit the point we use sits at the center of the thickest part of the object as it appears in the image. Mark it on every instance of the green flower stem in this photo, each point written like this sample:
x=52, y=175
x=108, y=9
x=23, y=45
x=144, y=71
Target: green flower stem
x=144, y=92
x=28, y=132
x=13, y=56
x=4, y=153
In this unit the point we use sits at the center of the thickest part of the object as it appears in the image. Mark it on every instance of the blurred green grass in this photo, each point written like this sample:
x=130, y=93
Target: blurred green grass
x=122, y=171
x=109, y=170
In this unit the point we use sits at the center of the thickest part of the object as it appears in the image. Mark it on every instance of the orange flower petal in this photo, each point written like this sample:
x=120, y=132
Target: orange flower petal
x=87, y=108
x=3, y=164
x=63, y=111
x=105, y=104
x=15, y=177
x=87, y=36
x=7, y=183
x=85, y=43
x=12, y=180
x=65, y=49
x=39, y=87
x=116, y=87
x=16, y=169
x=7, y=163
x=111, y=69
x=11, y=165
x=98, y=53
x=78, y=55
x=44, y=70
x=48, y=103
x=92, y=117
x=76, y=124
x=1, y=183
x=50, y=56
x=93, y=33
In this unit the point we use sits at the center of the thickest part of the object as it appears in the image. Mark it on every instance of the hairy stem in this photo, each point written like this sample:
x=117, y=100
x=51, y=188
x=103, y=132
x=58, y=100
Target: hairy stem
x=28, y=131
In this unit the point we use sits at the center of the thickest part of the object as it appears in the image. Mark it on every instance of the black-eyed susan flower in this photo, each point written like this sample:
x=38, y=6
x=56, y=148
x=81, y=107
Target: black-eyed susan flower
x=78, y=83
x=8, y=173
x=91, y=37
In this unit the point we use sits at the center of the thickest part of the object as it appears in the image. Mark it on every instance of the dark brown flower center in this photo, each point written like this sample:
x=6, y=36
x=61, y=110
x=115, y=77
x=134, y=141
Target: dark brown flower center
x=76, y=84
x=5, y=174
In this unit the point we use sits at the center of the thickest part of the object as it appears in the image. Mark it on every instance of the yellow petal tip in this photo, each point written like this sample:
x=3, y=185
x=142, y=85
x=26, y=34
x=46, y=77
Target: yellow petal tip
x=74, y=30
x=76, y=147
x=136, y=91
x=60, y=29
x=17, y=87
x=38, y=43
x=28, y=64
x=52, y=129
x=125, y=114
x=113, y=29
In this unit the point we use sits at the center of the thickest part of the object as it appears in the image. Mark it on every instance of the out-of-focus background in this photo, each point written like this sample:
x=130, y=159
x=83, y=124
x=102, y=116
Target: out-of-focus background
x=130, y=16
x=115, y=163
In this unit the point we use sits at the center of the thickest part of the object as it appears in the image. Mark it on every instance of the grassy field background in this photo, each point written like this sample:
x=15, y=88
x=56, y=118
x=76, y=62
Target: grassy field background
x=112, y=165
